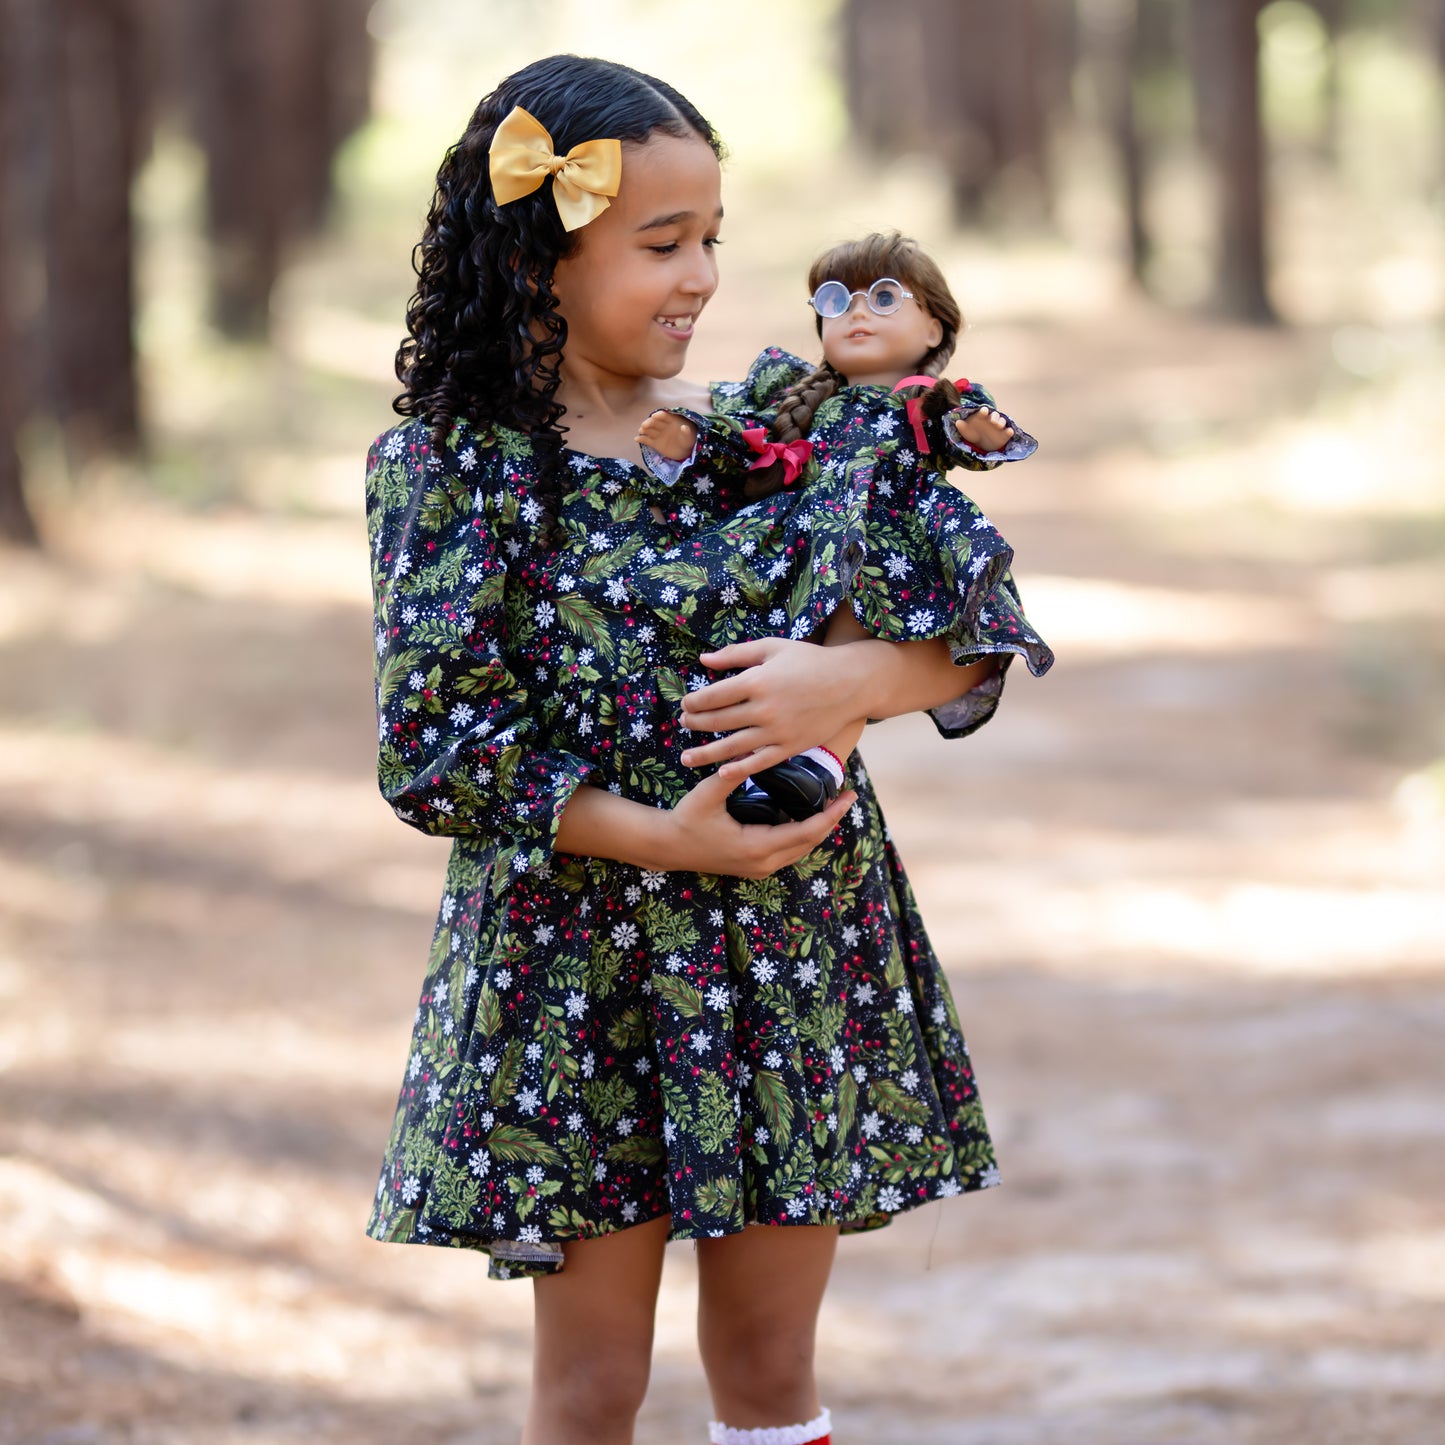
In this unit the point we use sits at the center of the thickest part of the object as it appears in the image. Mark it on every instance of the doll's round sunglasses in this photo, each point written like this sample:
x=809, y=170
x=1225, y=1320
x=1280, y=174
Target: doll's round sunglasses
x=884, y=297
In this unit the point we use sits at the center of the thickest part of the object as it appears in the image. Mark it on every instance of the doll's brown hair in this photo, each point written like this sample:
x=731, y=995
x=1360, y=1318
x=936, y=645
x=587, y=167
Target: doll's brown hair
x=857, y=264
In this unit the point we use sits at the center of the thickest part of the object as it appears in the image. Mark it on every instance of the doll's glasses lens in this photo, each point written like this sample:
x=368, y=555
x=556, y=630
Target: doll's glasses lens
x=884, y=297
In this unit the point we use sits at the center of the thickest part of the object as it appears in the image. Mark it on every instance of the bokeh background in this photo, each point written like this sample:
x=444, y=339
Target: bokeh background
x=1188, y=885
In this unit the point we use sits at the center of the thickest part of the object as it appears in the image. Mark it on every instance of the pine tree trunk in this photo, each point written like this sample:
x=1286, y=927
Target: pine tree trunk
x=92, y=124
x=1226, y=66
x=16, y=523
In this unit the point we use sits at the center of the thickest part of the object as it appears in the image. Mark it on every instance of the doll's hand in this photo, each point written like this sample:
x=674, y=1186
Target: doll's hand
x=985, y=430
x=669, y=435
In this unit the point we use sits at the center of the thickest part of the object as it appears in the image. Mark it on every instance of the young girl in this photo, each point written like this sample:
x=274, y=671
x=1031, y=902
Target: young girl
x=871, y=527
x=640, y=1020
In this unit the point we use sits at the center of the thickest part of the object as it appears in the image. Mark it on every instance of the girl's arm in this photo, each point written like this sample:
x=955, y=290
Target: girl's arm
x=790, y=694
x=695, y=836
x=462, y=752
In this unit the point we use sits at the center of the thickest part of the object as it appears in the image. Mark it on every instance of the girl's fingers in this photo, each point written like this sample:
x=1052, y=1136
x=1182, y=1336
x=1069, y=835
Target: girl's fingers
x=716, y=695
x=723, y=720
x=745, y=766
x=739, y=654
x=720, y=750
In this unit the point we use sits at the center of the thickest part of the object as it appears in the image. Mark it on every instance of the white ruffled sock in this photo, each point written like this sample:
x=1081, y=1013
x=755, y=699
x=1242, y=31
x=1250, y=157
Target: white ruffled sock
x=815, y=1432
x=828, y=761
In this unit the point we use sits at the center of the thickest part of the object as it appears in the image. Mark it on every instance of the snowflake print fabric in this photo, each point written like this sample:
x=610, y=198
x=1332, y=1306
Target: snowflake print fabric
x=598, y=1045
x=873, y=526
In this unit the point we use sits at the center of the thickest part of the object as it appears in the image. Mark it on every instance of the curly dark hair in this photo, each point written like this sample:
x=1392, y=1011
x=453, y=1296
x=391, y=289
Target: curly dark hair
x=484, y=339
x=857, y=264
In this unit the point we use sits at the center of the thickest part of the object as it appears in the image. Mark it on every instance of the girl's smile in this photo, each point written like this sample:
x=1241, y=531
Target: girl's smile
x=645, y=268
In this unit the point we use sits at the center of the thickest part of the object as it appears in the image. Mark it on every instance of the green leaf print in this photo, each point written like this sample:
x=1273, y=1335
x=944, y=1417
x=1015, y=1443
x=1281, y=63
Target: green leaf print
x=488, y=594
x=767, y=895
x=676, y=1104
x=894, y=1100
x=515, y=1144
x=508, y=760
x=669, y=930
x=684, y=574
x=637, y=1149
x=392, y=770
x=489, y=1012
x=624, y=507
x=578, y=615
x=823, y=1024
x=716, y=1119
x=628, y=1031
x=794, y=1173
x=679, y=993
x=911, y=1161
x=504, y=1081
x=612, y=561
x=454, y=1193
x=671, y=684
x=578, y=1153
x=391, y=670
x=608, y=1099
x=445, y=502
x=847, y=1104
x=720, y=1196
x=775, y=1101
x=894, y=974
x=652, y=777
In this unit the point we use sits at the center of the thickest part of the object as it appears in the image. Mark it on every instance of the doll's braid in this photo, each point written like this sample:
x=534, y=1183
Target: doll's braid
x=793, y=421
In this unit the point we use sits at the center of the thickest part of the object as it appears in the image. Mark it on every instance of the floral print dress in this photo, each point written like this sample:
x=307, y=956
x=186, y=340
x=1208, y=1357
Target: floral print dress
x=597, y=1045
x=870, y=525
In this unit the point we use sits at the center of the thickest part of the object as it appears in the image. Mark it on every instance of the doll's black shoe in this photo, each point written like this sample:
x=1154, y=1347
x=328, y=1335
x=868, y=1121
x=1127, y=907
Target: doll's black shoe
x=750, y=804
x=799, y=786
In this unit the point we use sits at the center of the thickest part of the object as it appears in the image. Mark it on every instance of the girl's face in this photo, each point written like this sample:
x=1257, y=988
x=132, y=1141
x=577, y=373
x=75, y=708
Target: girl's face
x=868, y=348
x=633, y=290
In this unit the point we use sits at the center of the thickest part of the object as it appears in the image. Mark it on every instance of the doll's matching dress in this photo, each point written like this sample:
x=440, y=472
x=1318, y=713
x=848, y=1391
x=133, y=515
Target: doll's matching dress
x=596, y=1045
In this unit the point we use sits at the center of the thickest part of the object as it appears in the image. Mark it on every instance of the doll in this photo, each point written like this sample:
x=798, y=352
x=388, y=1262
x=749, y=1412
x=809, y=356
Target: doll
x=846, y=501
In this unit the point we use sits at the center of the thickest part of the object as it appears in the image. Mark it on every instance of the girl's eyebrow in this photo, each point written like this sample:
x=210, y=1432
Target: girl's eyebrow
x=675, y=219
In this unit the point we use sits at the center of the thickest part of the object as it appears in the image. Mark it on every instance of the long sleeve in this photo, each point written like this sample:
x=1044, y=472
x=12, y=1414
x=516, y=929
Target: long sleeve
x=461, y=750
x=952, y=451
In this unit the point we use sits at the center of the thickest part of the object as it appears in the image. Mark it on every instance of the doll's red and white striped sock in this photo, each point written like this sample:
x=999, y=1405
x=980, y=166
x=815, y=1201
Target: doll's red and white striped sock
x=814, y=1432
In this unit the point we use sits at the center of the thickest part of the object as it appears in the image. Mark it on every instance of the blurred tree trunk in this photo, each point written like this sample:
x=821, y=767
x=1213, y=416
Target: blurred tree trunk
x=1332, y=15
x=966, y=81
x=274, y=87
x=1117, y=48
x=1226, y=69
x=16, y=522
x=91, y=125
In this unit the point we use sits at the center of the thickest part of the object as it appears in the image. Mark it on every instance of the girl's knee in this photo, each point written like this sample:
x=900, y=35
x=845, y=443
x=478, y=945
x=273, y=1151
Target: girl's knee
x=600, y=1385
x=759, y=1364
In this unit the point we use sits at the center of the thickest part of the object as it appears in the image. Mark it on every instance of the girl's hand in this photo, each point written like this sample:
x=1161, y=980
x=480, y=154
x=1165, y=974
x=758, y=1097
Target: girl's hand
x=700, y=836
x=791, y=696
x=985, y=430
x=669, y=435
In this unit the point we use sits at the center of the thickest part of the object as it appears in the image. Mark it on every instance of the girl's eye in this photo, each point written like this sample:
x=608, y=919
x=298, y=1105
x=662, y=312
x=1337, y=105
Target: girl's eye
x=666, y=250
x=712, y=241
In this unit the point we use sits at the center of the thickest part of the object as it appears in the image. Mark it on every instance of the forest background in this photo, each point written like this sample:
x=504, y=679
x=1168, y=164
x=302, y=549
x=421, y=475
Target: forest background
x=1188, y=886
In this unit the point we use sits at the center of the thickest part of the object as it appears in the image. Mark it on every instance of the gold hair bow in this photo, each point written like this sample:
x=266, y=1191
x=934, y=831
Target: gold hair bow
x=521, y=158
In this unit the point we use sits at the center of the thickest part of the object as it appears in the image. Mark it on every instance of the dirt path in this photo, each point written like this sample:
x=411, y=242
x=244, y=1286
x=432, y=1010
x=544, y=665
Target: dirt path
x=1195, y=929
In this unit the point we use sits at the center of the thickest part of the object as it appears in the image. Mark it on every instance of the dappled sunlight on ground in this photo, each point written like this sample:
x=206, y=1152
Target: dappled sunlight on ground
x=1189, y=885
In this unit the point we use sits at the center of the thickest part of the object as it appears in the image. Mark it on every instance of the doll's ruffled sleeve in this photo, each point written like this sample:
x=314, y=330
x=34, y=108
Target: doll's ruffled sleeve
x=460, y=748
x=951, y=449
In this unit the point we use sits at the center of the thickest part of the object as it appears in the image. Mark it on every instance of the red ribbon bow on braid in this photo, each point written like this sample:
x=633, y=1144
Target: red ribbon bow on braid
x=793, y=455
x=914, y=406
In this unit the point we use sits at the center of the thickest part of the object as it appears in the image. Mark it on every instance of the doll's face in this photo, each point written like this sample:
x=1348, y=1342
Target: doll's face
x=868, y=348
x=645, y=268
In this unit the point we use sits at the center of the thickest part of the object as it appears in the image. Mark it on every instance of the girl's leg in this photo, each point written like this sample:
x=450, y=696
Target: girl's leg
x=758, y=1298
x=592, y=1348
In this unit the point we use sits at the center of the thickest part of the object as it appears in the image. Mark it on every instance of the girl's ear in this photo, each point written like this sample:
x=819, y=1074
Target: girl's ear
x=935, y=332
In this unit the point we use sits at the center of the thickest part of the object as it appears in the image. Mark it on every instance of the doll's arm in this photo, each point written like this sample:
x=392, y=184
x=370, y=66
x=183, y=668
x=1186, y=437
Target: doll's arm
x=672, y=436
x=977, y=436
x=693, y=439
